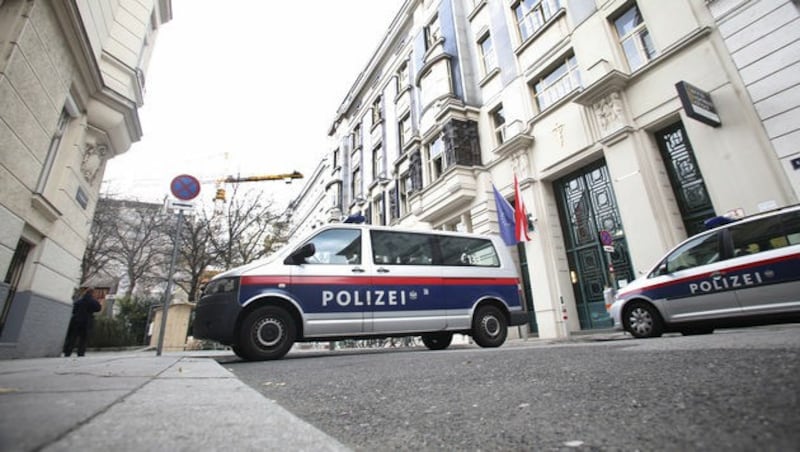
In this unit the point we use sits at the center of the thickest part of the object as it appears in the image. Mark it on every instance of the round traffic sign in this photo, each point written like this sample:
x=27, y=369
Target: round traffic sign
x=605, y=238
x=185, y=187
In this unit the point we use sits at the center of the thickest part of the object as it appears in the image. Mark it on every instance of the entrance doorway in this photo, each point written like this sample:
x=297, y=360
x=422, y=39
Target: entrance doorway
x=588, y=211
x=684, y=175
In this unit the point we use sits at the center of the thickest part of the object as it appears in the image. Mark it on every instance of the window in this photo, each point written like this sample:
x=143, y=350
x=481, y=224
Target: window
x=634, y=38
x=379, y=211
x=355, y=164
x=437, y=159
x=55, y=143
x=377, y=111
x=432, y=33
x=700, y=251
x=401, y=248
x=377, y=163
x=406, y=188
x=13, y=275
x=498, y=123
x=402, y=77
x=335, y=159
x=335, y=191
x=487, y=54
x=464, y=251
x=557, y=84
x=336, y=246
x=766, y=234
x=355, y=188
x=405, y=130
x=533, y=14
x=357, y=136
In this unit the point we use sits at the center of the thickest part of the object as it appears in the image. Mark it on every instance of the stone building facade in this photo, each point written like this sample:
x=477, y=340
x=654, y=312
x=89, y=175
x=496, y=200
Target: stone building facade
x=632, y=120
x=72, y=78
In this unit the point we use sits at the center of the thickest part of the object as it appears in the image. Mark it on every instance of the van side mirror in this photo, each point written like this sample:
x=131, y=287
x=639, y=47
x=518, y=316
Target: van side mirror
x=299, y=255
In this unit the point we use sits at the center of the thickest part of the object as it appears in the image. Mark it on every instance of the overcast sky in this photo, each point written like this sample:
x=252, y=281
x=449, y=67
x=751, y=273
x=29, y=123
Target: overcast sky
x=248, y=87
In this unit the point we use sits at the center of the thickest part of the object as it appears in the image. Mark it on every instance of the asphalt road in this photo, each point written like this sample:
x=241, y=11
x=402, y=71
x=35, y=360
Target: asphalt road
x=733, y=390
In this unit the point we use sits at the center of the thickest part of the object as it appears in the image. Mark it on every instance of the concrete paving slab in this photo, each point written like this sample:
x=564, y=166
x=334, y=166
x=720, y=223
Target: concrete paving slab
x=134, y=402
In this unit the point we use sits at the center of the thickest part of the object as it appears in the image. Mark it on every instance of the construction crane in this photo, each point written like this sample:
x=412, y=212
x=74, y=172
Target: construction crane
x=219, y=198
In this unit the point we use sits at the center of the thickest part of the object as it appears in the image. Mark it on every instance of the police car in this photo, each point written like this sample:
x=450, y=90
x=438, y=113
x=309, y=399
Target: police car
x=744, y=272
x=349, y=281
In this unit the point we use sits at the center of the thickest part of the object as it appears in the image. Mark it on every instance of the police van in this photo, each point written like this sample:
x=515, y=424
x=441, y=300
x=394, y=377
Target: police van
x=350, y=281
x=744, y=272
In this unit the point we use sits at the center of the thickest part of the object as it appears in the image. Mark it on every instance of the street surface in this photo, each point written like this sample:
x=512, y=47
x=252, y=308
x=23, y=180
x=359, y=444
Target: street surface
x=735, y=390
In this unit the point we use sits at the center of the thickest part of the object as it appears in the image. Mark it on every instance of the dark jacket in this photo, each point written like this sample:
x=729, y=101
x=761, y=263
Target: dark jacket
x=84, y=308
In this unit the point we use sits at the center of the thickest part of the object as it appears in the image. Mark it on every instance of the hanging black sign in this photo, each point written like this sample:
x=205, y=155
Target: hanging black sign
x=698, y=104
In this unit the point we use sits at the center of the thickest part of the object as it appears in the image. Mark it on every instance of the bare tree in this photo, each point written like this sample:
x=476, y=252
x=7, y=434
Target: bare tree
x=100, y=246
x=196, y=253
x=141, y=241
x=248, y=228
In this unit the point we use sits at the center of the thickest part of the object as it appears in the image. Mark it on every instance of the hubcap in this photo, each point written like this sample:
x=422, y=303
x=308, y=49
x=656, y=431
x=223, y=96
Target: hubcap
x=491, y=325
x=641, y=321
x=268, y=332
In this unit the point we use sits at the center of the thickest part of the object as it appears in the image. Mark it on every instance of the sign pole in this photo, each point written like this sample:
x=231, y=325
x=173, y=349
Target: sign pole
x=168, y=293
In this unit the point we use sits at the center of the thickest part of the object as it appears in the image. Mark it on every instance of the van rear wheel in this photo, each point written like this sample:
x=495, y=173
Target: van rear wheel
x=489, y=327
x=437, y=341
x=266, y=333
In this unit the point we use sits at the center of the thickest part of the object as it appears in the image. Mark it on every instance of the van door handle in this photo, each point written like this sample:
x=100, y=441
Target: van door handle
x=717, y=274
x=358, y=270
x=383, y=270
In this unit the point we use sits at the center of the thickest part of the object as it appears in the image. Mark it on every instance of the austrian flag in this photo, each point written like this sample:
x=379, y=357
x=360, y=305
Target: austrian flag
x=520, y=216
x=513, y=222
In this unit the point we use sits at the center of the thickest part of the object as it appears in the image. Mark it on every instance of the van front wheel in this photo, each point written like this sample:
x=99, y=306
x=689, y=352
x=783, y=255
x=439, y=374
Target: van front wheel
x=489, y=327
x=266, y=333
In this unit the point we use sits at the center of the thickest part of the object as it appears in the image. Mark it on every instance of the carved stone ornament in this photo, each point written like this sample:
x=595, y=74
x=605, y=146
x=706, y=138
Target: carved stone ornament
x=609, y=112
x=519, y=164
x=93, y=157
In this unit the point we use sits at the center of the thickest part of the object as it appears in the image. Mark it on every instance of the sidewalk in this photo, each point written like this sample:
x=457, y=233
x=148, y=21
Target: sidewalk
x=135, y=401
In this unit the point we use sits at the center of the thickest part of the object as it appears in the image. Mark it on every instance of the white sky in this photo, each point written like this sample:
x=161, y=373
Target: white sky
x=259, y=80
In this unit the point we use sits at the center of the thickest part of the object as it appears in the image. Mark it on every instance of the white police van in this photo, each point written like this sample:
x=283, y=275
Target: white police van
x=742, y=273
x=351, y=281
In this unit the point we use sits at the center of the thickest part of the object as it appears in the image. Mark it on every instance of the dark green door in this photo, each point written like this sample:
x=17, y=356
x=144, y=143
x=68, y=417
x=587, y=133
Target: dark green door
x=587, y=206
x=685, y=177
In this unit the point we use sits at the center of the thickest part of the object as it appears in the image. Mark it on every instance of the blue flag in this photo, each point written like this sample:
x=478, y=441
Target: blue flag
x=505, y=218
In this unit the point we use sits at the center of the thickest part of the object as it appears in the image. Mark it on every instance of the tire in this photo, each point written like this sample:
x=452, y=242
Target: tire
x=266, y=333
x=238, y=351
x=643, y=320
x=437, y=341
x=489, y=327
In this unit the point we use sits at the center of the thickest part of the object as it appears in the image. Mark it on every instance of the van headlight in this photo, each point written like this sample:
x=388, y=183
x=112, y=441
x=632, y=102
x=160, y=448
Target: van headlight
x=222, y=285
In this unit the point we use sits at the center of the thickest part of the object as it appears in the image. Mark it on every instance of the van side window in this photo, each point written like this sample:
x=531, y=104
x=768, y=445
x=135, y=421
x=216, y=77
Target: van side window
x=336, y=246
x=401, y=248
x=791, y=227
x=700, y=251
x=464, y=251
x=757, y=236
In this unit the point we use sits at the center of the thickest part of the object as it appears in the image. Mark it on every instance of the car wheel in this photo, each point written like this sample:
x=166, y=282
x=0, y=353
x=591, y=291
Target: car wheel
x=437, y=341
x=489, y=327
x=643, y=320
x=266, y=333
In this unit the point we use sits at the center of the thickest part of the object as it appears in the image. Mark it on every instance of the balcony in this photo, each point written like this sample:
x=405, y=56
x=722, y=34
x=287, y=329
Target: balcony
x=455, y=190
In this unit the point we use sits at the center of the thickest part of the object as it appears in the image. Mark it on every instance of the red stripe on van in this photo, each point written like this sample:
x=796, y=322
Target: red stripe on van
x=376, y=280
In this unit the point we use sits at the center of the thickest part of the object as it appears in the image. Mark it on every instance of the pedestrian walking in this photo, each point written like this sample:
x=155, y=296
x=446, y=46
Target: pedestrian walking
x=80, y=323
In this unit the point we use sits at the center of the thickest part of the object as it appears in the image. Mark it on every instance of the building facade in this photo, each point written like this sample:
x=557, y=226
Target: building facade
x=72, y=77
x=631, y=121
